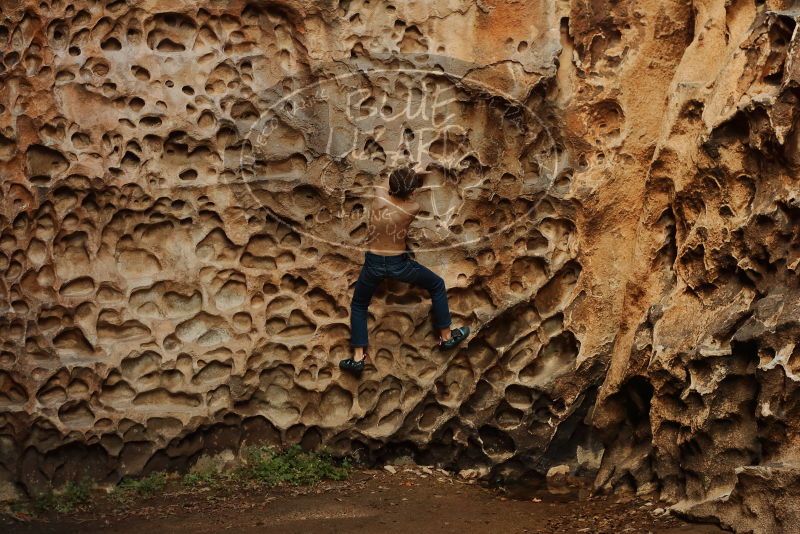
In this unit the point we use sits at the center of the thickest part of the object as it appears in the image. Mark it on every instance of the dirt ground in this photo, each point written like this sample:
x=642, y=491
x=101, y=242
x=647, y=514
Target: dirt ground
x=410, y=501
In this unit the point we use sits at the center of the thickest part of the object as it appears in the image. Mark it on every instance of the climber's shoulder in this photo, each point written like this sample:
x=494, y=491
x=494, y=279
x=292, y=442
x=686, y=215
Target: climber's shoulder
x=380, y=200
x=380, y=192
x=383, y=201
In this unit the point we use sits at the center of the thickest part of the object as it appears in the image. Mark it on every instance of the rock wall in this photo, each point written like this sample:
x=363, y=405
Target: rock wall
x=613, y=206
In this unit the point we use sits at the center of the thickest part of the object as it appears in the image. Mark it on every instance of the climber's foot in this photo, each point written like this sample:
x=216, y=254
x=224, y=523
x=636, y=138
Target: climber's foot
x=457, y=335
x=354, y=367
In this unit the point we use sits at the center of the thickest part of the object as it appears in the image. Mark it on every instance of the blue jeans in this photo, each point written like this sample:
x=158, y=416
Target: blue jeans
x=400, y=267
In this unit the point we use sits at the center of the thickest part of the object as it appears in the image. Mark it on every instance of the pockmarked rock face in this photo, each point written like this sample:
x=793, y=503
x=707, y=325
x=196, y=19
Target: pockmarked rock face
x=612, y=203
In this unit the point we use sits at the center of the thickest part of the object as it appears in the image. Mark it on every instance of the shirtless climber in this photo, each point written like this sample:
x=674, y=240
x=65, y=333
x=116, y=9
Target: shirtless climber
x=392, y=212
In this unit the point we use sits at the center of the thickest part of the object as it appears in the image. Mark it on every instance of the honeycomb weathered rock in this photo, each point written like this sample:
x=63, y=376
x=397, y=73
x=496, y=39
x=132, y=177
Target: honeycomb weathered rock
x=614, y=207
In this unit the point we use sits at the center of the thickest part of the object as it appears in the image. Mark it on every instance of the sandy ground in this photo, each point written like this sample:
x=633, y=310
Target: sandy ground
x=409, y=502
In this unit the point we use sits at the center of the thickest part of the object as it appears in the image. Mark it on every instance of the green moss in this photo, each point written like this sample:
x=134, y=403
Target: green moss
x=208, y=477
x=271, y=467
x=66, y=499
x=291, y=466
x=143, y=487
x=266, y=466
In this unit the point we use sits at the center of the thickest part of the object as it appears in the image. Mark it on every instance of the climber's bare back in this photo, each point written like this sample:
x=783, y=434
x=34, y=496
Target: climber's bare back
x=389, y=220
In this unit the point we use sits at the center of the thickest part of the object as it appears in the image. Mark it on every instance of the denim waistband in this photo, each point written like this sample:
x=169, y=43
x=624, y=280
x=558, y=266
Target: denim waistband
x=392, y=258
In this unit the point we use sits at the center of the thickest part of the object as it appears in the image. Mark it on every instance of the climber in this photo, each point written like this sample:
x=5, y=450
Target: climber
x=392, y=212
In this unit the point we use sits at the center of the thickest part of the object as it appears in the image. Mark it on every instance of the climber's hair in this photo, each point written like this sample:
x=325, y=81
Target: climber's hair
x=403, y=181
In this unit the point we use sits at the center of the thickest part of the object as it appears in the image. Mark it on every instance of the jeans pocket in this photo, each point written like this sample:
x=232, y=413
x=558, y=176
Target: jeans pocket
x=406, y=270
x=371, y=271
